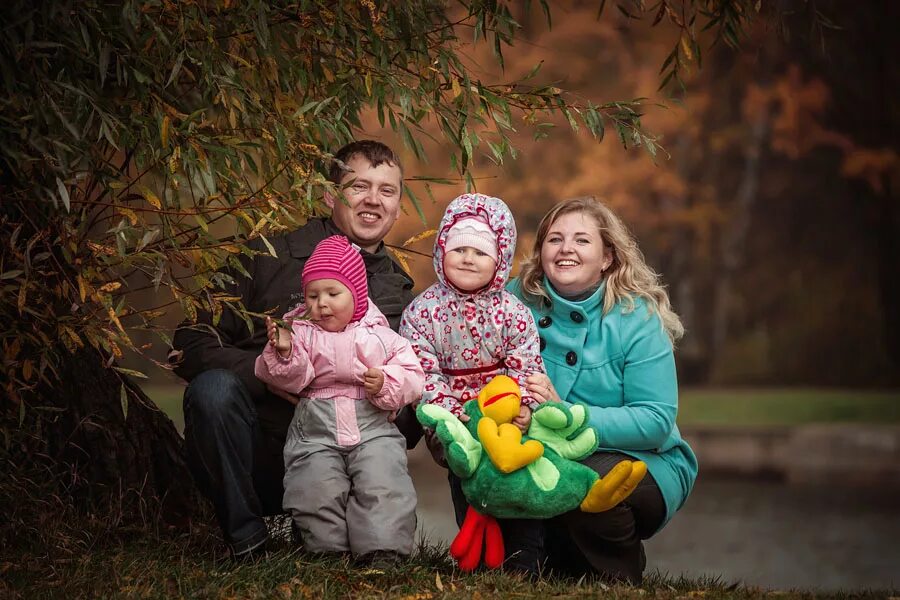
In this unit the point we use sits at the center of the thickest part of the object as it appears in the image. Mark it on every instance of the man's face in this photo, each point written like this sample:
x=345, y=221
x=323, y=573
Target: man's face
x=373, y=202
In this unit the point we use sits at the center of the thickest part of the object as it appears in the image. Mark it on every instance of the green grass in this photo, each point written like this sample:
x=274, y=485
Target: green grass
x=718, y=406
x=168, y=398
x=787, y=406
x=185, y=567
x=50, y=549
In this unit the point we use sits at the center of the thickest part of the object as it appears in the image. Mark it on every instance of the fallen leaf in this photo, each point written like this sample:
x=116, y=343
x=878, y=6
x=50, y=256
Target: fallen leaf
x=111, y=286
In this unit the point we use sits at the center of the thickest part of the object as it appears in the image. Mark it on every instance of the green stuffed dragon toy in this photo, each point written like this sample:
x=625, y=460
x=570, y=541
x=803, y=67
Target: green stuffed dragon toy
x=507, y=475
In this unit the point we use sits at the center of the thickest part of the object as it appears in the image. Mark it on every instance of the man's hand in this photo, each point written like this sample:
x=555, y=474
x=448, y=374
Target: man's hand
x=436, y=448
x=523, y=420
x=279, y=337
x=373, y=380
x=283, y=394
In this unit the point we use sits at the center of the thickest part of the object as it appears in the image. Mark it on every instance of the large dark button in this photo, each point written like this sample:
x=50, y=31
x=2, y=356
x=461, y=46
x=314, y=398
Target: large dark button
x=545, y=321
x=571, y=358
x=543, y=344
x=577, y=316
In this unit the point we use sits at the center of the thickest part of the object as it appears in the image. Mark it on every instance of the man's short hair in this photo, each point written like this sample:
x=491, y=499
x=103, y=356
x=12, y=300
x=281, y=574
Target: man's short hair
x=374, y=152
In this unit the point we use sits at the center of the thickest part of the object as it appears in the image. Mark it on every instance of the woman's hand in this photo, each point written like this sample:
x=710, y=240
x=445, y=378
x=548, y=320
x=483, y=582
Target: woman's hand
x=540, y=387
x=279, y=337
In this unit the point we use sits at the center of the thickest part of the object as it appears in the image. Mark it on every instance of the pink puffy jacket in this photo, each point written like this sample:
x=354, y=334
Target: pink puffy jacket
x=331, y=365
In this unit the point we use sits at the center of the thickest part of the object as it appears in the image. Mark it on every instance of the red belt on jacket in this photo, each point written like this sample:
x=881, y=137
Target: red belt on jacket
x=475, y=370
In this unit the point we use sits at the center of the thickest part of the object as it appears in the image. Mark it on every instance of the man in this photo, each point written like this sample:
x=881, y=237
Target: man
x=235, y=427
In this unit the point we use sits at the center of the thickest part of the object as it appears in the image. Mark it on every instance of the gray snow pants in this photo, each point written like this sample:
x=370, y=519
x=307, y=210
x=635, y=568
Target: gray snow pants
x=357, y=498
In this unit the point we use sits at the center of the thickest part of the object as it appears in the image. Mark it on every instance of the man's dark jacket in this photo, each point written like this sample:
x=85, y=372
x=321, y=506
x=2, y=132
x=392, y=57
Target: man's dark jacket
x=274, y=288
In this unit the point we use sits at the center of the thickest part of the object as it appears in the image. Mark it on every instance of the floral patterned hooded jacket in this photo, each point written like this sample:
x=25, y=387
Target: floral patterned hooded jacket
x=464, y=339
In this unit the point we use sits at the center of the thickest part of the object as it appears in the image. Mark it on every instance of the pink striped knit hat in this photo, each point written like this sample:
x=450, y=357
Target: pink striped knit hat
x=335, y=258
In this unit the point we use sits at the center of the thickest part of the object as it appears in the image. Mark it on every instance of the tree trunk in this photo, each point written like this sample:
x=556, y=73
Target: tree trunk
x=735, y=238
x=887, y=232
x=102, y=448
x=693, y=362
x=887, y=226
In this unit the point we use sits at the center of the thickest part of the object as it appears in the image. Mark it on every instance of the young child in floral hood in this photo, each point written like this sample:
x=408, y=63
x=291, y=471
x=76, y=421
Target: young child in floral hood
x=467, y=328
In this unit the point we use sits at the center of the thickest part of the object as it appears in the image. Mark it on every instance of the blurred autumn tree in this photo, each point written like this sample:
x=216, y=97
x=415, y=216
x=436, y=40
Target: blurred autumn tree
x=774, y=217
x=838, y=116
x=793, y=160
x=142, y=143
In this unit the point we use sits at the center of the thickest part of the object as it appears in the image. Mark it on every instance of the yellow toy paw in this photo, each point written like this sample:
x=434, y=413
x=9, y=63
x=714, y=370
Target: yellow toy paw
x=618, y=484
x=504, y=445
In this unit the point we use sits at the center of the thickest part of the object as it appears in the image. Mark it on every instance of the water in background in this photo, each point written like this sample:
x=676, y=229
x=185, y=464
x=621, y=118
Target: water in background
x=762, y=534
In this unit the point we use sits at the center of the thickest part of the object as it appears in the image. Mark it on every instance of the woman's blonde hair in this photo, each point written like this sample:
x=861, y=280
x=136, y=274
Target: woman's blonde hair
x=627, y=276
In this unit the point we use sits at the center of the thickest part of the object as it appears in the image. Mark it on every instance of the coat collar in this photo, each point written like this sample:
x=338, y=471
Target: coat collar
x=304, y=240
x=590, y=308
x=301, y=243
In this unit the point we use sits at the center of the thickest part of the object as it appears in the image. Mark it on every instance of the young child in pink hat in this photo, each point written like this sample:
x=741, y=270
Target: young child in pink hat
x=346, y=481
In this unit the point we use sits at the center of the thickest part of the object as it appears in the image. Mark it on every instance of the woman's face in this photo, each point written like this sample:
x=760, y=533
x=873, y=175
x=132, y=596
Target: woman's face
x=572, y=255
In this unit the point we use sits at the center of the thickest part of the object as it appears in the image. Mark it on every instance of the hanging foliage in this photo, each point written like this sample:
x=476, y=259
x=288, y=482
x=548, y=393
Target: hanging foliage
x=144, y=142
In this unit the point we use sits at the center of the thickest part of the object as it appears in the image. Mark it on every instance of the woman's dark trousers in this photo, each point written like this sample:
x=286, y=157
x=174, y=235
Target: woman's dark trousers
x=522, y=538
x=608, y=544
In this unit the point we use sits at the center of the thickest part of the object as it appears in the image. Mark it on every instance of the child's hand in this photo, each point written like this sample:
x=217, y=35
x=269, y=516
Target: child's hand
x=279, y=337
x=523, y=421
x=373, y=380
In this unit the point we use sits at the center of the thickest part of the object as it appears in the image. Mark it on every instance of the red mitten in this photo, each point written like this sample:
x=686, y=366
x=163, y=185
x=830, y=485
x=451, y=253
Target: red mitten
x=466, y=535
x=472, y=557
x=466, y=548
x=493, y=544
x=478, y=531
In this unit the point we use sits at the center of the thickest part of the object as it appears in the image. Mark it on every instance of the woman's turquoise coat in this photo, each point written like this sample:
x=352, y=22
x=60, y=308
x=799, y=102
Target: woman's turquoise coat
x=622, y=365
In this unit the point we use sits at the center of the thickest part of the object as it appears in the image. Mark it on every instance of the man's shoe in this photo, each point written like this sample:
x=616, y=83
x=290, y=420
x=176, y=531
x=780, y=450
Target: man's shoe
x=251, y=555
x=296, y=536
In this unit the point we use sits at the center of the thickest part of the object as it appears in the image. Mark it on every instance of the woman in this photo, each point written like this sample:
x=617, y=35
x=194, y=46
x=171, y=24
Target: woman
x=606, y=332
